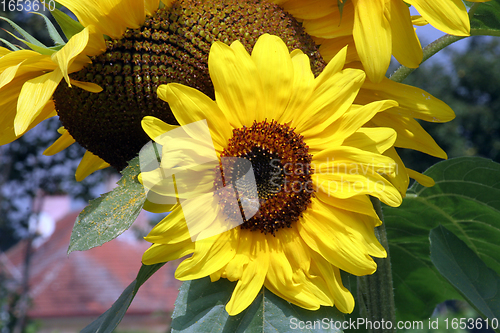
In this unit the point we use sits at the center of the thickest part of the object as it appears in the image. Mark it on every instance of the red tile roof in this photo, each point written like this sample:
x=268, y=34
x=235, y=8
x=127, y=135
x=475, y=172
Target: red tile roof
x=87, y=283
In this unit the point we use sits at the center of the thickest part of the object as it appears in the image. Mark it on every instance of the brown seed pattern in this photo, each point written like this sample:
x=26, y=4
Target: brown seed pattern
x=282, y=169
x=172, y=46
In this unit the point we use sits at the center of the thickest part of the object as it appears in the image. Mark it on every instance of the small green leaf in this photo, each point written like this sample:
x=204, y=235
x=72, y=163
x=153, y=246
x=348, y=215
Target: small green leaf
x=23, y=33
x=10, y=45
x=109, y=320
x=478, y=284
x=485, y=19
x=56, y=38
x=340, y=4
x=465, y=200
x=200, y=307
x=110, y=215
x=42, y=50
x=69, y=26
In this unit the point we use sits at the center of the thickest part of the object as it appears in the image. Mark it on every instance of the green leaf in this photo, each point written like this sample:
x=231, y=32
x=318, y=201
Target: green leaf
x=10, y=45
x=485, y=19
x=462, y=267
x=110, y=215
x=200, y=307
x=109, y=320
x=24, y=33
x=465, y=200
x=56, y=38
x=340, y=4
x=42, y=50
x=69, y=26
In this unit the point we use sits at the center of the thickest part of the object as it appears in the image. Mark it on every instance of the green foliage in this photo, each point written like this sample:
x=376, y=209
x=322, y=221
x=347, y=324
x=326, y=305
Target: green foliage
x=110, y=215
x=200, y=307
x=470, y=85
x=466, y=271
x=465, y=200
x=69, y=26
x=486, y=18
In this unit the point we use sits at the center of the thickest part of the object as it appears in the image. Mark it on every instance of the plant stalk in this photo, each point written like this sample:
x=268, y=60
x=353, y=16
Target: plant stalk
x=402, y=72
x=375, y=292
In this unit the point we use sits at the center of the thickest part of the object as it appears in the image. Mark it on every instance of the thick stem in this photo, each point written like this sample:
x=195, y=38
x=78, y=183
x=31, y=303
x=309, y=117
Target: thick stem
x=375, y=292
x=402, y=72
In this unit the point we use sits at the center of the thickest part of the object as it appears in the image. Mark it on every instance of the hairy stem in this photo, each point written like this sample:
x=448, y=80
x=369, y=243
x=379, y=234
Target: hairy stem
x=402, y=72
x=375, y=292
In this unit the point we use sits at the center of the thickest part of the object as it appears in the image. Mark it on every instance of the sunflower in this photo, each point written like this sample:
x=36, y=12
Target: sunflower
x=314, y=167
x=30, y=78
x=129, y=53
x=376, y=29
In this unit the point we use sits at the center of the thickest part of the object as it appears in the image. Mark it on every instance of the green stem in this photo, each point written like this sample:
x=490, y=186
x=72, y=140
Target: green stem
x=402, y=72
x=375, y=292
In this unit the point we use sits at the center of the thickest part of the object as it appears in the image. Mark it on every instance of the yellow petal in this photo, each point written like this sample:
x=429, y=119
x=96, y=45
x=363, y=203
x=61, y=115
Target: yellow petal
x=348, y=123
x=7, y=133
x=270, y=55
x=34, y=95
x=89, y=164
x=372, y=35
x=333, y=67
x=330, y=101
x=210, y=255
x=235, y=267
x=4, y=51
x=63, y=142
x=332, y=25
x=349, y=160
x=65, y=56
x=172, y=229
x=333, y=243
x=449, y=16
x=346, y=185
x=360, y=204
x=112, y=17
x=400, y=178
x=8, y=74
x=413, y=102
x=88, y=86
x=410, y=133
x=157, y=208
x=310, y=9
x=405, y=44
x=252, y=279
x=421, y=178
x=329, y=48
x=158, y=253
x=155, y=127
x=375, y=140
x=343, y=299
x=190, y=105
x=303, y=85
x=151, y=6
x=238, y=90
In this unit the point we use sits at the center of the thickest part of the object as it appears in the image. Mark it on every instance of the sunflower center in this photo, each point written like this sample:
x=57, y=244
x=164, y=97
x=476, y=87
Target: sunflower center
x=282, y=169
x=172, y=46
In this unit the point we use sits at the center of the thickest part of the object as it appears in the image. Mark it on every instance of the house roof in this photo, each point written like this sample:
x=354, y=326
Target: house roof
x=87, y=283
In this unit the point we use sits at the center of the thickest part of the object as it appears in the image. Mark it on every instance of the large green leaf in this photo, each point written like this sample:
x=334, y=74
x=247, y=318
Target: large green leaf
x=466, y=200
x=462, y=267
x=69, y=26
x=109, y=216
x=109, y=320
x=485, y=19
x=200, y=307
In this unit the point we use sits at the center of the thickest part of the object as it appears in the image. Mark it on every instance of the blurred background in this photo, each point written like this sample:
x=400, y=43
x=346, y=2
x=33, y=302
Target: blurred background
x=44, y=290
